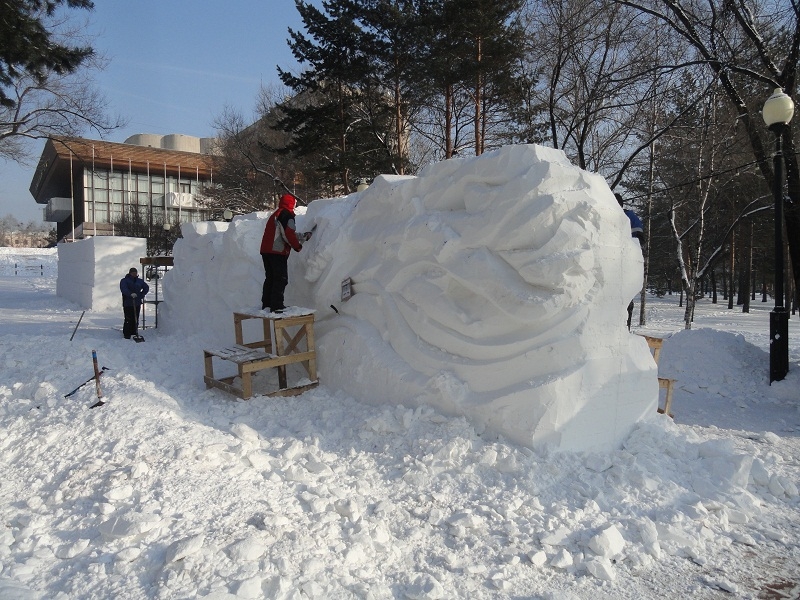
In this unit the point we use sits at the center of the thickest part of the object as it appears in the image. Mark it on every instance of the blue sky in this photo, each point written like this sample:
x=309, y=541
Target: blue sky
x=174, y=66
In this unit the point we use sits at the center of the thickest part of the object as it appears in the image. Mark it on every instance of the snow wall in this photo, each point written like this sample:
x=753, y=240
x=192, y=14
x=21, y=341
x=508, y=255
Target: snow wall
x=492, y=287
x=89, y=270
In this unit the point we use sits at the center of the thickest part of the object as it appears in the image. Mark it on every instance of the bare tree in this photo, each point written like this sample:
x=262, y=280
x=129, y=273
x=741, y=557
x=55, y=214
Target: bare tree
x=61, y=105
x=47, y=89
x=251, y=176
x=706, y=194
x=750, y=48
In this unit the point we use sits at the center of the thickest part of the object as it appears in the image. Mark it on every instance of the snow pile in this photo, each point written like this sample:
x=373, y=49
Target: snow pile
x=492, y=287
x=171, y=490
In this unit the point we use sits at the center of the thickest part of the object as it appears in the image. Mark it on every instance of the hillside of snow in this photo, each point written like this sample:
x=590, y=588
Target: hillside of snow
x=170, y=490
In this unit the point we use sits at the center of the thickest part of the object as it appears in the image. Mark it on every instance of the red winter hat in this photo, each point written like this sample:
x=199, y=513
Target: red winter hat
x=288, y=202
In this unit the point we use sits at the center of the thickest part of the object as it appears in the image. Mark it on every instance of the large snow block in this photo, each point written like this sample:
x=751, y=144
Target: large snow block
x=492, y=287
x=89, y=270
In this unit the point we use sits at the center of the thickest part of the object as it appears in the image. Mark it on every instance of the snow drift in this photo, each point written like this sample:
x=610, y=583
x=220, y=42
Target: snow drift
x=492, y=287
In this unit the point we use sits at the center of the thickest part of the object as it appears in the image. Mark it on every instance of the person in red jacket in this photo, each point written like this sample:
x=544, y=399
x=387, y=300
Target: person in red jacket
x=280, y=238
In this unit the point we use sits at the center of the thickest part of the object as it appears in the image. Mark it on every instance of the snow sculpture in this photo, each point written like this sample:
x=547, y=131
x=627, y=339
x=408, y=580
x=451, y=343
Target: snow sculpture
x=491, y=287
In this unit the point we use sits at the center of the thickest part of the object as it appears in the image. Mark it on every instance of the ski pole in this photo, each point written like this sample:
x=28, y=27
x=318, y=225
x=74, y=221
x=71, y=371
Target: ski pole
x=84, y=383
x=76, y=326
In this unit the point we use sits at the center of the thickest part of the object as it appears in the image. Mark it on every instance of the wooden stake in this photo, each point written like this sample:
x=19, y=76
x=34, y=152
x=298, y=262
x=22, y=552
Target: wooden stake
x=96, y=375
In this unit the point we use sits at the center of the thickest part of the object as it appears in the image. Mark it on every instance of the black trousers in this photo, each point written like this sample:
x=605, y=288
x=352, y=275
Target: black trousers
x=131, y=325
x=276, y=278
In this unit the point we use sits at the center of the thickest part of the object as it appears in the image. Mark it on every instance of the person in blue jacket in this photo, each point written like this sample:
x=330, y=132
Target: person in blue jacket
x=637, y=231
x=133, y=292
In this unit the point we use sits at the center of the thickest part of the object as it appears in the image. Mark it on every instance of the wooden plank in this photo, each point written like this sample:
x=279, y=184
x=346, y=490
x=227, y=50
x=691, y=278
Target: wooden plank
x=211, y=382
x=237, y=327
x=282, y=383
x=239, y=354
x=266, y=345
x=667, y=384
x=294, y=341
x=209, y=364
x=247, y=383
x=277, y=361
x=239, y=393
x=655, y=344
x=311, y=365
x=290, y=320
x=267, y=335
x=265, y=342
x=293, y=391
x=252, y=359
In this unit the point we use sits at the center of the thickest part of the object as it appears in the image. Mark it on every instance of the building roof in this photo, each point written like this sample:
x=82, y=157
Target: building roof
x=52, y=172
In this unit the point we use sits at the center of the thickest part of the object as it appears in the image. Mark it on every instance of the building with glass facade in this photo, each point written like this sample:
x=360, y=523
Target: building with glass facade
x=93, y=187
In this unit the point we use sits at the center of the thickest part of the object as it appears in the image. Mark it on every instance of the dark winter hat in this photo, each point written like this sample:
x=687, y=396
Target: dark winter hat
x=133, y=271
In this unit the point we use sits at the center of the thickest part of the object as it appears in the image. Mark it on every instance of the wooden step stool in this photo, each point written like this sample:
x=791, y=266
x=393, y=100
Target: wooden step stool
x=281, y=345
x=664, y=383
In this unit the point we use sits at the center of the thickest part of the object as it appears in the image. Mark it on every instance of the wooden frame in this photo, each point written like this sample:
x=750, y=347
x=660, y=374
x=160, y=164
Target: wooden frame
x=655, y=344
x=281, y=345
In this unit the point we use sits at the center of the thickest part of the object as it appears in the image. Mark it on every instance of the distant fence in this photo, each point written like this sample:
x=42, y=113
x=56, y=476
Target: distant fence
x=21, y=266
x=28, y=269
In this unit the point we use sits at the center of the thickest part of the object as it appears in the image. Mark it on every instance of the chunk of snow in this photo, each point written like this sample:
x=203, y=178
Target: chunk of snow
x=608, y=543
x=248, y=549
x=562, y=560
x=601, y=568
x=182, y=548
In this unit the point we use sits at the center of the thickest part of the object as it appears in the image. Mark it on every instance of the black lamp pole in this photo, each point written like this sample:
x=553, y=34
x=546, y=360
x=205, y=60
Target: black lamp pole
x=777, y=112
x=779, y=317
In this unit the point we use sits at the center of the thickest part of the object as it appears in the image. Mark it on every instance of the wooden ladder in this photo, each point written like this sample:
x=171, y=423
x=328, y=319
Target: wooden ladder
x=664, y=383
x=282, y=344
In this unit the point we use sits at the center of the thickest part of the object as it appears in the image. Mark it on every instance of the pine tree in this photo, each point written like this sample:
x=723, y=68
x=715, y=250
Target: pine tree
x=336, y=102
x=470, y=56
x=28, y=48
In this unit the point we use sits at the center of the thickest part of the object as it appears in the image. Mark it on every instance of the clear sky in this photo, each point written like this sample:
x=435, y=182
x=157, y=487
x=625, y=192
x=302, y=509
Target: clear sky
x=174, y=66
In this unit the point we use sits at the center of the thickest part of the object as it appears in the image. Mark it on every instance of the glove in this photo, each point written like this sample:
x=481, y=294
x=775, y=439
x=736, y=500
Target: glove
x=133, y=295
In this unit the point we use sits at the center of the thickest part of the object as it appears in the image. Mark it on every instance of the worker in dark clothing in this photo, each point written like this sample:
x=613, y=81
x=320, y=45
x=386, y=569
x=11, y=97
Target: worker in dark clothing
x=280, y=238
x=133, y=291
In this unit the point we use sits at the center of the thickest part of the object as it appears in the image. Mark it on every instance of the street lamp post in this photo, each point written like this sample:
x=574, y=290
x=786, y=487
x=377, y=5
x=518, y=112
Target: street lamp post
x=778, y=111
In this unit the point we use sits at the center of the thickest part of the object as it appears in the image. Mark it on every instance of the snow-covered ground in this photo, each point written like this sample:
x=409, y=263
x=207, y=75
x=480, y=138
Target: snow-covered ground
x=170, y=490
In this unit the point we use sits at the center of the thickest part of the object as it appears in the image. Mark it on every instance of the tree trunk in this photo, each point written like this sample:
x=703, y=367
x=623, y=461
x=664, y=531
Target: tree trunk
x=732, y=270
x=713, y=286
x=747, y=274
x=448, y=121
x=478, y=96
x=724, y=280
x=688, y=313
x=647, y=223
